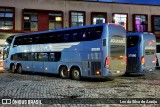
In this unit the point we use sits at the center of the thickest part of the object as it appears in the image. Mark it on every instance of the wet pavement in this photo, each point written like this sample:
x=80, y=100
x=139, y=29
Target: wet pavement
x=47, y=86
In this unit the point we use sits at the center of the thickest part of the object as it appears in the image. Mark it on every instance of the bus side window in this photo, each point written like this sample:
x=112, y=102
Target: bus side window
x=30, y=39
x=75, y=36
x=37, y=39
x=25, y=56
x=66, y=37
x=19, y=56
x=57, y=56
x=31, y=56
x=36, y=56
x=42, y=56
x=25, y=40
x=52, y=57
x=18, y=41
x=12, y=57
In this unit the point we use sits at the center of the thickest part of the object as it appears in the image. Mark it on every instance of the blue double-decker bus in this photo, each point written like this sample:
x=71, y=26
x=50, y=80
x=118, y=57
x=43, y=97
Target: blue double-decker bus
x=141, y=53
x=89, y=51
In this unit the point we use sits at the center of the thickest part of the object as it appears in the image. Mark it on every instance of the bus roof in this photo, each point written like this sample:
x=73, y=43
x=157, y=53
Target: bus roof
x=139, y=34
x=145, y=36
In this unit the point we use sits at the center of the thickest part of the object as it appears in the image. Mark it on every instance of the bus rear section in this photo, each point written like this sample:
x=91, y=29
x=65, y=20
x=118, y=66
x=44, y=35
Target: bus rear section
x=140, y=53
x=115, y=61
x=158, y=55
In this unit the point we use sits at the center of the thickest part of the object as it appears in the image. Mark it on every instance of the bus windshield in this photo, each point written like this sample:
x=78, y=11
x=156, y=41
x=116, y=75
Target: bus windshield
x=132, y=41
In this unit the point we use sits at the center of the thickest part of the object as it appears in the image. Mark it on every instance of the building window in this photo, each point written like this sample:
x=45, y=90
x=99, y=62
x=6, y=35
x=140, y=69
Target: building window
x=55, y=20
x=98, y=17
x=77, y=18
x=120, y=18
x=155, y=24
x=6, y=18
x=140, y=23
x=30, y=21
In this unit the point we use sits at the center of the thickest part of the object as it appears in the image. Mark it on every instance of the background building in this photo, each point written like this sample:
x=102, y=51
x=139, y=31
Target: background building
x=21, y=16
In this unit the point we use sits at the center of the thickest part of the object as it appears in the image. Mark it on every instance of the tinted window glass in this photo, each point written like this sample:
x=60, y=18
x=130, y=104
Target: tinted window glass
x=37, y=39
x=149, y=52
x=158, y=48
x=132, y=41
x=76, y=35
x=18, y=41
x=9, y=40
x=25, y=40
x=42, y=56
x=52, y=57
x=31, y=56
x=25, y=56
x=30, y=40
x=57, y=56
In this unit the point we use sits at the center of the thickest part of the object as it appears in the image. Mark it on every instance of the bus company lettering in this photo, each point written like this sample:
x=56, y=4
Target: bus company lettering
x=131, y=55
x=117, y=41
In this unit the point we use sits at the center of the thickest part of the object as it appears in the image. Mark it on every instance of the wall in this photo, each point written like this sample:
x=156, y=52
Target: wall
x=88, y=7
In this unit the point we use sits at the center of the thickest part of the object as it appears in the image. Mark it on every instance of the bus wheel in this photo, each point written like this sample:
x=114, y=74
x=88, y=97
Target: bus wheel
x=12, y=68
x=76, y=74
x=63, y=72
x=19, y=69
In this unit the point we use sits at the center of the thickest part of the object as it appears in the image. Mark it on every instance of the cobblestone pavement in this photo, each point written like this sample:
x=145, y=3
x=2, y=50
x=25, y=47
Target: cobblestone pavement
x=28, y=85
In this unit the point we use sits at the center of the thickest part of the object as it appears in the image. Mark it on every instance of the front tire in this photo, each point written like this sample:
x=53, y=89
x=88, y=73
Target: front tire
x=64, y=73
x=12, y=68
x=76, y=75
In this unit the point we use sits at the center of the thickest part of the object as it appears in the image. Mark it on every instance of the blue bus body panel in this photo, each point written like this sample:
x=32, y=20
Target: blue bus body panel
x=146, y=43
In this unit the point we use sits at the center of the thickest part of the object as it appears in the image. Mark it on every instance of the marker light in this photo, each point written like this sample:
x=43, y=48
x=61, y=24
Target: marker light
x=142, y=60
x=107, y=62
x=125, y=59
x=155, y=60
x=98, y=72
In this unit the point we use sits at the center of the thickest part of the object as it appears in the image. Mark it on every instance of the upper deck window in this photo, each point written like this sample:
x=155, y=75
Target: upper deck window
x=74, y=35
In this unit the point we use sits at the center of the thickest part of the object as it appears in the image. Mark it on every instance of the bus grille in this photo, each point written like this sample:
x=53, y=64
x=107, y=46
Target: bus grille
x=95, y=66
x=132, y=65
